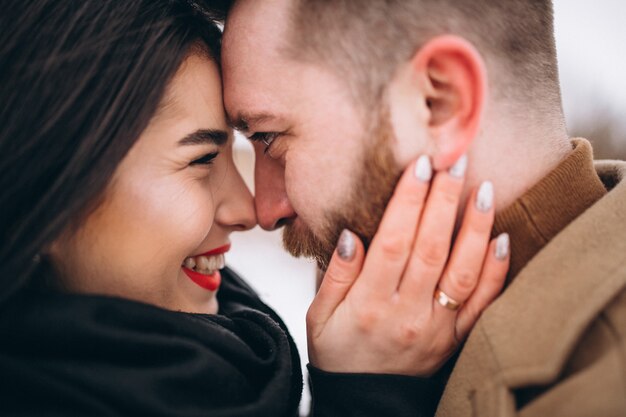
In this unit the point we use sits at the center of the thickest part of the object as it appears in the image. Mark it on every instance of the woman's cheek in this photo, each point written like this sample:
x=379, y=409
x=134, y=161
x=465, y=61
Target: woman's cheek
x=187, y=211
x=166, y=220
x=149, y=231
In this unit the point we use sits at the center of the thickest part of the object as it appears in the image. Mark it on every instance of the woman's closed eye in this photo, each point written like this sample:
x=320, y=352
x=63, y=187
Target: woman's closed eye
x=205, y=160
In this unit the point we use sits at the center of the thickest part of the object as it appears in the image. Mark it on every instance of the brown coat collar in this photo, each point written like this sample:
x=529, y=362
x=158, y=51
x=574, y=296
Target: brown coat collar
x=562, y=289
x=525, y=337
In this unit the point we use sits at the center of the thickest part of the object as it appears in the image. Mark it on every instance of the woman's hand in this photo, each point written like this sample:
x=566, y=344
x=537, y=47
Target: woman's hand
x=394, y=311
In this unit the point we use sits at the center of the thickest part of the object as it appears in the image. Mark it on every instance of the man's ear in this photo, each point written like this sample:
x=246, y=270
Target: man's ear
x=452, y=76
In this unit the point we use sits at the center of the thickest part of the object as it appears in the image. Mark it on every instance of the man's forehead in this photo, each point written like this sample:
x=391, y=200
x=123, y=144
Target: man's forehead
x=254, y=40
x=252, y=60
x=258, y=22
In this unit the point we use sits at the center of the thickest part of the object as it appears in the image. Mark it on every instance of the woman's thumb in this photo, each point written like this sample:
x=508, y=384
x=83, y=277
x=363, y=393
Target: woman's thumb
x=344, y=268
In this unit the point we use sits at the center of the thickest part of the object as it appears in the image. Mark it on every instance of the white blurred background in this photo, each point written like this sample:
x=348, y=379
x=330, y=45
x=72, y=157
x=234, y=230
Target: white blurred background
x=591, y=38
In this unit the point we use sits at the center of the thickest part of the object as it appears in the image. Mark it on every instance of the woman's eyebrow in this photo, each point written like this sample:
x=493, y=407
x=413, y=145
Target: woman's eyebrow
x=204, y=136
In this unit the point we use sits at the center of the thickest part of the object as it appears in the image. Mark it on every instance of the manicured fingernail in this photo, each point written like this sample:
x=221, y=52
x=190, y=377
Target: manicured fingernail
x=346, y=247
x=502, y=246
x=424, y=169
x=458, y=169
x=484, y=197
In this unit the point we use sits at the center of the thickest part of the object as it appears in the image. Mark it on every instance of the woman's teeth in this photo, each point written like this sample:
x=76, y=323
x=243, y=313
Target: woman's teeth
x=206, y=265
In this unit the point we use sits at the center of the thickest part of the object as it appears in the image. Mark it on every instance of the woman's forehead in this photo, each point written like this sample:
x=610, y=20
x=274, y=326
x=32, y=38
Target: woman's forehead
x=195, y=92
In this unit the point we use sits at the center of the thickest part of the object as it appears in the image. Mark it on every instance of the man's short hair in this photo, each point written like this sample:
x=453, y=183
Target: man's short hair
x=366, y=41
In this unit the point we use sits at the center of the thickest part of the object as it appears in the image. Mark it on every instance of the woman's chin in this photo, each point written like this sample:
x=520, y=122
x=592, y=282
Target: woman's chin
x=210, y=307
x=194, y=298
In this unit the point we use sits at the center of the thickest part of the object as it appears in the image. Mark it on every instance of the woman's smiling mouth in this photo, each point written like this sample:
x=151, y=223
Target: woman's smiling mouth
x=204, y=269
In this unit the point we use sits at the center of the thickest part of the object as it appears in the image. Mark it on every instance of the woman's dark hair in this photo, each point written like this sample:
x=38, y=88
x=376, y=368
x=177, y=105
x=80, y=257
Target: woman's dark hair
x=79, y=82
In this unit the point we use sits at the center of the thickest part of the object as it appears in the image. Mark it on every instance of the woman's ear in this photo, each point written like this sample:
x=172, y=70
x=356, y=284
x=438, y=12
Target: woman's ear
x=452, y=76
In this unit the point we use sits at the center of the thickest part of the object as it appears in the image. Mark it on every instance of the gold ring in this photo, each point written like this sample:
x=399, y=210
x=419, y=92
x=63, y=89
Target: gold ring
x=446, y=301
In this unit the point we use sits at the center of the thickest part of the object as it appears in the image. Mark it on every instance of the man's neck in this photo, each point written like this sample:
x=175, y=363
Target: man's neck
x=516, y=159
x=536, y=217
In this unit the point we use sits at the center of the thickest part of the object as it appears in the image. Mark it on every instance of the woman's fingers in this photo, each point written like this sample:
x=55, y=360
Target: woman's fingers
x=463, y=269
x=377, y=314
x=432, y=246
x=344, y=268
x=391, y=247
x=489, y=286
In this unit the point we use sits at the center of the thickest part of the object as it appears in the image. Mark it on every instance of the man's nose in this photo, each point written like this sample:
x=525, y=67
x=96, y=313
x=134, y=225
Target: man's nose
x=273, y=208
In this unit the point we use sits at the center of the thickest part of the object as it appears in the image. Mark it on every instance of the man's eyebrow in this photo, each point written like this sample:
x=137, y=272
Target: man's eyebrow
x=204, y=136
x=243, y=121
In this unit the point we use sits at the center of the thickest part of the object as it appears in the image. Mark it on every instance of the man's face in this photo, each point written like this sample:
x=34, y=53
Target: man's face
x=327, y=169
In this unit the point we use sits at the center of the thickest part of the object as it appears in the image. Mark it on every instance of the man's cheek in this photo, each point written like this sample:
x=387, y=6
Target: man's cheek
x=307, y=196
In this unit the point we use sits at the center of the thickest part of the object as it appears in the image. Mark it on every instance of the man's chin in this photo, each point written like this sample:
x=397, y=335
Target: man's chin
x=300, y=241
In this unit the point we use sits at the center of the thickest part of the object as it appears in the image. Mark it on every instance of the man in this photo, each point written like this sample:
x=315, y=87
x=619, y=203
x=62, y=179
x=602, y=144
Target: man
x=339, y=96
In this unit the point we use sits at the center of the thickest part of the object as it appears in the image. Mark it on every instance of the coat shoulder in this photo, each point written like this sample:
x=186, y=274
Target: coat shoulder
x=593, y=381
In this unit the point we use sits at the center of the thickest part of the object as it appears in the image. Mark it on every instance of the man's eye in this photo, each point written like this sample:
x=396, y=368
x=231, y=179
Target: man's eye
x=267, y=138
x=206, y=159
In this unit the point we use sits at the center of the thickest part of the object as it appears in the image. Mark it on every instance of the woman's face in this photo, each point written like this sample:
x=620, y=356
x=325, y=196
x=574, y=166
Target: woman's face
x=174, y=197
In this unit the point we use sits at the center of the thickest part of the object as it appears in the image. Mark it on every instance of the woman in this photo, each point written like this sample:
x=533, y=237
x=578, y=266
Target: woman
x=118, y=196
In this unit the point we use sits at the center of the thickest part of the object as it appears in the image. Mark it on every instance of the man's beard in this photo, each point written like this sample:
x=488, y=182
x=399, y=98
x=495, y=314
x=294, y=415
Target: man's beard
x=363, y=209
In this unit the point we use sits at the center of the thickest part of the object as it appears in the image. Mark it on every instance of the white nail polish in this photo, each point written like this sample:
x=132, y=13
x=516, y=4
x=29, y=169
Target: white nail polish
x=458, y=169
x=484, y=197
x=346, y=247
x=502, y=246
x=424, y=169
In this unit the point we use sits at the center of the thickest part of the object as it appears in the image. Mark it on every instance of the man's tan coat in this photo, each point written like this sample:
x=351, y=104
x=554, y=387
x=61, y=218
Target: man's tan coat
x=554, y=344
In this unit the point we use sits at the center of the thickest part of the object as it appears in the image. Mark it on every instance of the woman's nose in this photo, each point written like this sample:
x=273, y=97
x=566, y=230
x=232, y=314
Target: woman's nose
x=236, y=210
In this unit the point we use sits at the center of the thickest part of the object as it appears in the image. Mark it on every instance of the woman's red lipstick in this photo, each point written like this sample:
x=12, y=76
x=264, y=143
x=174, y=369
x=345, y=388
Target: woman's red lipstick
x=217, y=251
x=208, y=282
